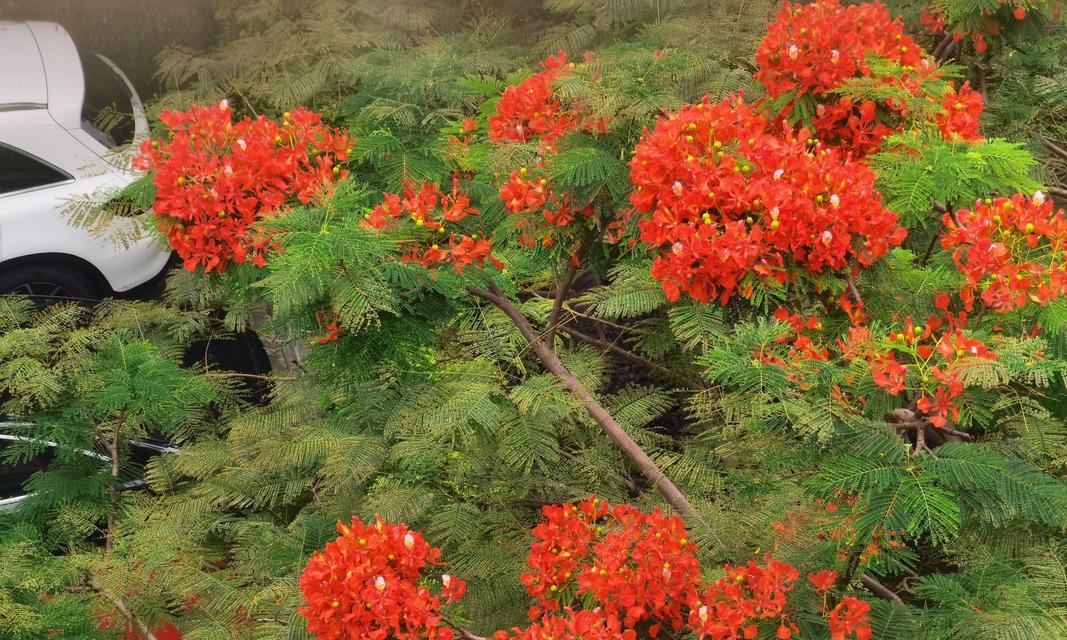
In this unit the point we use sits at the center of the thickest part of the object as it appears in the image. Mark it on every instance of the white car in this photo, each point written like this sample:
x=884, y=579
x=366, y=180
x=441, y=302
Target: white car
x=53, y=155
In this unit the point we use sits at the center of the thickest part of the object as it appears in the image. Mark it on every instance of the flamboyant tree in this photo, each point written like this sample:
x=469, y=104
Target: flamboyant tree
x=820, y=316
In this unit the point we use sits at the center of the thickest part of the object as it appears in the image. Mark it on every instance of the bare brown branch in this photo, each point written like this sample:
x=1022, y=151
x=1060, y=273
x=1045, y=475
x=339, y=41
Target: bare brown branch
x=879, y=589
x=463, y=632
x=646, y=465
x=557, y=305
x=1056, y=149
x=942, y=47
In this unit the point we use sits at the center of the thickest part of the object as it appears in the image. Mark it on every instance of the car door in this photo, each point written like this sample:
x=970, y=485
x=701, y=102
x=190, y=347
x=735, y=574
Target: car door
x=59, y=172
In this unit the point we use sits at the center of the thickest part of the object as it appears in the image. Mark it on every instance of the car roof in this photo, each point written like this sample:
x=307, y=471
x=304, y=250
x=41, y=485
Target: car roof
x=40, y=68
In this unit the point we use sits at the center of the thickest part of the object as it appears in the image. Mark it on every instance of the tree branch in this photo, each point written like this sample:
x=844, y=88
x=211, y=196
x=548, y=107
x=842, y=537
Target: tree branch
x=463, y=633
x=646, y=465
x=557, y=306
x=915, y=425
x=1055, y=149
x=955, y=432
x=941, y=208
x=942, y=46
x=930, y=248
x=852, y=290
x=1057, y=192
x=879, y=589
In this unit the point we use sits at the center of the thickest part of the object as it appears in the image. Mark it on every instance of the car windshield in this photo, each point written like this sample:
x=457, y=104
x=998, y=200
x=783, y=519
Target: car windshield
x=107, y=111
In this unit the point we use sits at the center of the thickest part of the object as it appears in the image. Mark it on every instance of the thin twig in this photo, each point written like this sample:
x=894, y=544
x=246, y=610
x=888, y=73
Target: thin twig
x=248, y=104
x=121, y=607
x=557, y=306
x=879, y=589
x=112, y=447
x=619, y=351
x=1058, y=192
x=600, y=321
x=930, y=247
x=464, y=633
x=852, y=288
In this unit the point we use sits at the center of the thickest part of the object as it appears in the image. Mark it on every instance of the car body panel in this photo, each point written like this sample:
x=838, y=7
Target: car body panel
x=63, y=72
x=22, y=79
x=41, y=96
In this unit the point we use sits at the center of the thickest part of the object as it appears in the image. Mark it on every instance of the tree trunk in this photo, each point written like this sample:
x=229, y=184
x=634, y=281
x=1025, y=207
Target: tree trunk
x=112, y=446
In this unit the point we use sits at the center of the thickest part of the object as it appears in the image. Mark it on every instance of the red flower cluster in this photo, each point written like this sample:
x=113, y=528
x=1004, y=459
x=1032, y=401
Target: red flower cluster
x=365, y=584
x=801, y=346
x=529, y=111
x=638, y=567
x=802, y=349
x=570, y=625
x=1011, y=251
x=522, y=194
x=960, y=110
x=836, y=525
x=815, y=48
x=851, y=615
x=823, y=580
x=932, y=351
x=736, y=204
x=731, y=608
x=430, y=208
x=331, y=324
x=215, y=179
x=599, y=572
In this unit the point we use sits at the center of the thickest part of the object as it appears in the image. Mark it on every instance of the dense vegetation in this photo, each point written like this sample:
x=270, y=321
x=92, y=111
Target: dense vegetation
x=794, y=276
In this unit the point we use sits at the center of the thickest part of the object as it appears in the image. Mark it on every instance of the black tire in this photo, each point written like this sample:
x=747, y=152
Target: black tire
x=48, y=284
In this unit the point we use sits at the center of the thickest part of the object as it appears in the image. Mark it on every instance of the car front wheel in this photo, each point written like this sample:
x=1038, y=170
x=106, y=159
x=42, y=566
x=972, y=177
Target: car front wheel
x=48, y=284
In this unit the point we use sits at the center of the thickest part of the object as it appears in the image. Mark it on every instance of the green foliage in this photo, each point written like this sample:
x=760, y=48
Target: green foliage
x=431, y=408
x=918, y=171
